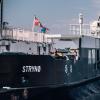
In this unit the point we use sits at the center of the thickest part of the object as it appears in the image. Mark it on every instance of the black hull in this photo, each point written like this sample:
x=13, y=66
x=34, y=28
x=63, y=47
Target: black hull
x=30, y=71
x=44, y=71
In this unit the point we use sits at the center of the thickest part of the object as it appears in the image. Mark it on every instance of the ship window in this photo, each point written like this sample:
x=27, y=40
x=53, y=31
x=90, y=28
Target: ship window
x=89, y=57
x=8, y=47
x=93, y=56
x=98, y=24
x=98, y=55
x=29, y=48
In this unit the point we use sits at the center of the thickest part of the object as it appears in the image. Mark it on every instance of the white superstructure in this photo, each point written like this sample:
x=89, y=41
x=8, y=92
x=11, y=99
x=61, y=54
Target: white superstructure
x=20, y=40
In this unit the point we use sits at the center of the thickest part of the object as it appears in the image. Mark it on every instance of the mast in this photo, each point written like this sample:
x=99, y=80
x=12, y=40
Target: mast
x=81, y=26
x=1, y=23
x=81, y=22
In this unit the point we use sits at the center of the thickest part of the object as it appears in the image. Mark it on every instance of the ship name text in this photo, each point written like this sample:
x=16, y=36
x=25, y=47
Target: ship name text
x=31, y=69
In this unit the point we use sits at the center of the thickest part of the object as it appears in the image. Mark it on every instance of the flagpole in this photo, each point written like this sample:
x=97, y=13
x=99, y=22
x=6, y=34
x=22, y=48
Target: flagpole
x=33, y=24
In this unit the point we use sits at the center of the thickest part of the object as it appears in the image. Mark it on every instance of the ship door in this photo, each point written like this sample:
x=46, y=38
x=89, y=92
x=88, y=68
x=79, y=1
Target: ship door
x=97, y=58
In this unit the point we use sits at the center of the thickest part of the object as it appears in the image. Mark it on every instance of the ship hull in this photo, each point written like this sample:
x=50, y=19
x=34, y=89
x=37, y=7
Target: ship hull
x=31, y=70
x=28, y=77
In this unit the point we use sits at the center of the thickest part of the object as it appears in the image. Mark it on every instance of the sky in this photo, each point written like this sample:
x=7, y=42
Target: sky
x=54, y=14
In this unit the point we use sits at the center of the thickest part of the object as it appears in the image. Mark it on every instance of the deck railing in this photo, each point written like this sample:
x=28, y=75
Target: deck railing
x=86, y=29
x=24, y=35
x=75, y=29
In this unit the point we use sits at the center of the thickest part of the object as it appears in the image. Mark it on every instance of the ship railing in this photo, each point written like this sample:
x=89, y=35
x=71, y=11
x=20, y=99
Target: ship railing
x=75, y=29
x=24, y=35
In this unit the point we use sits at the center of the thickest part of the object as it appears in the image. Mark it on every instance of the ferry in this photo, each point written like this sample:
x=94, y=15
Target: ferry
x=30, y=66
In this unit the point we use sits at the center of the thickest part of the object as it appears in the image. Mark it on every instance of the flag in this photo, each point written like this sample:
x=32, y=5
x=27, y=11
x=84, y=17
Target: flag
x=37, y=24
x=44, y=29
x=36, y=21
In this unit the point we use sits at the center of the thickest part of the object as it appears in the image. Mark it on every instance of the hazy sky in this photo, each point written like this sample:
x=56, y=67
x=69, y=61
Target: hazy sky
x=55, y=14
